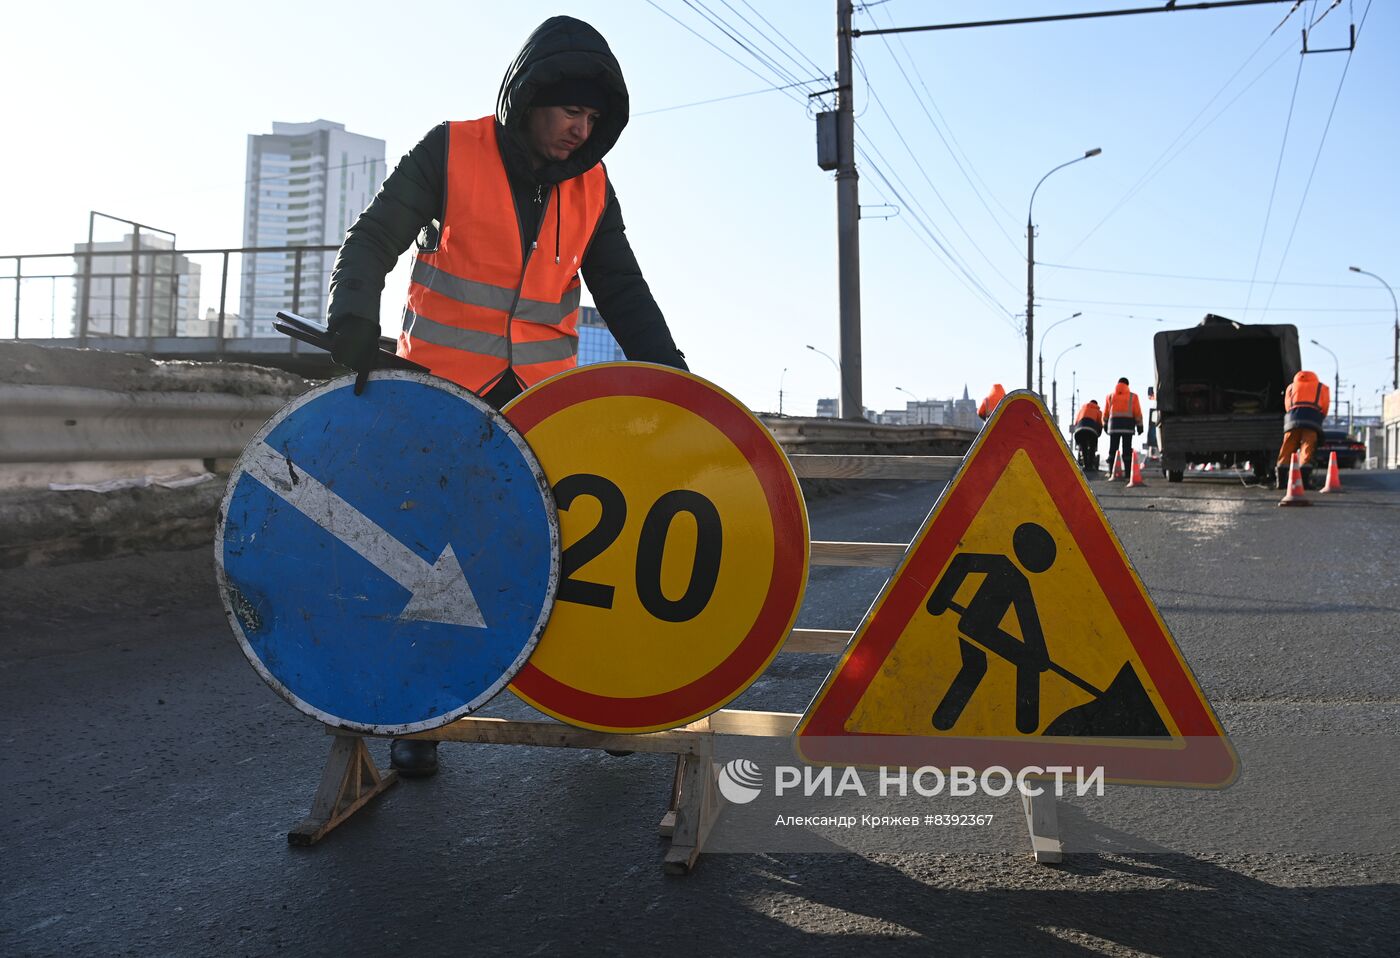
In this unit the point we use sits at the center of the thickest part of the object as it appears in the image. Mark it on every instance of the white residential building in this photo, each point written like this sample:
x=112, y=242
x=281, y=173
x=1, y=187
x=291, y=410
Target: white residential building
x=306, y=184
x=135, y=287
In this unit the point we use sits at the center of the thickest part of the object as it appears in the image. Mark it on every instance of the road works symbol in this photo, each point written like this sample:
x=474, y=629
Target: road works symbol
x=1015, y=633
x=388, y=561
x=685, y=546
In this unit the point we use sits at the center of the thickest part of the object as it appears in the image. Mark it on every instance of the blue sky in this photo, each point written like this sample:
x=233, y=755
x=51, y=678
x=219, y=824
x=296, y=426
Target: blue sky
x=1228, y=182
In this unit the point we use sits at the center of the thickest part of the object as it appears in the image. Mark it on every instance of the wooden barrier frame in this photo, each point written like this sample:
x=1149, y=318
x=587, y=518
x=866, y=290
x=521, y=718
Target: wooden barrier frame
x=350, y=779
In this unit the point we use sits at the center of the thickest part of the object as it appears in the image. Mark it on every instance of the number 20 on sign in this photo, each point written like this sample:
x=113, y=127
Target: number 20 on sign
x=685, y=547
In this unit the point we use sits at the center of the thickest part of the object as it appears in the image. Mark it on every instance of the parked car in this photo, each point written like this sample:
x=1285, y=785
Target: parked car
x=1350, y=452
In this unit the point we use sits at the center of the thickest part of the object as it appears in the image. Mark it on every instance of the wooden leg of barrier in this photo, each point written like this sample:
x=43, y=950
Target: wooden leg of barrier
x=667, y=828
x=349, y=781
x=1044, y=827
x=697, y=807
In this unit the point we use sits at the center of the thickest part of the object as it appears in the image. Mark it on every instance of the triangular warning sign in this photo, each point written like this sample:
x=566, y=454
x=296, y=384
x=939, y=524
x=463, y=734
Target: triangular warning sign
x=1015, y=633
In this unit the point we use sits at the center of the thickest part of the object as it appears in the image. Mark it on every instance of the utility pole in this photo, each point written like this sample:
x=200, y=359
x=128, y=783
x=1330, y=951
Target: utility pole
x=847, y=219
x=1030, y=291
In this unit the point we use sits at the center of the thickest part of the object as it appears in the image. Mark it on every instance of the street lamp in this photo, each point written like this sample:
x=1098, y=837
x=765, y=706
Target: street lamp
x=1336, y=379
x=1395, y=368
x=838, y=373
x=780, y=390
x=1030, y=264
x=1040, y=355
x=1054, y=384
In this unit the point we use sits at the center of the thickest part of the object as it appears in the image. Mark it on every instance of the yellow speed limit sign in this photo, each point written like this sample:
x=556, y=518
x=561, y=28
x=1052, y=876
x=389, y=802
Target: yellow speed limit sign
x=684, y=540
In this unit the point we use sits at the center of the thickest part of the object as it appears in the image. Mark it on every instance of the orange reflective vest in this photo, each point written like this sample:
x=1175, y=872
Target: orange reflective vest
x=1089, y=418
x=1305, y=402
x=997, y=394
x=478, y=306
x=1122, y=411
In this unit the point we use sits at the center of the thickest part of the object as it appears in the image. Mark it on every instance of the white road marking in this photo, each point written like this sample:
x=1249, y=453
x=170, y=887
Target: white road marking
x=440, y=592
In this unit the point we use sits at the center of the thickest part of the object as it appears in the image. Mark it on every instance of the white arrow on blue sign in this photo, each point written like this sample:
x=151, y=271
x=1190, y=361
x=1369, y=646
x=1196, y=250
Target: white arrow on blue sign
x=389, y=560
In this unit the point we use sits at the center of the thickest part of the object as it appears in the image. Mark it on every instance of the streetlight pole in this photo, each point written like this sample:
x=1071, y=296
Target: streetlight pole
x=780, y=390
x=1054, y=385
x=1395, y=367
x=1040, y=355
x=1030, y=264
x=1336, y=380
x=838, y=372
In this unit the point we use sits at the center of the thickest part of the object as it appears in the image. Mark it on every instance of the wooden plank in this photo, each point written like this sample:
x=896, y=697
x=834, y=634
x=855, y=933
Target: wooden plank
x=742, y=722
x=692, y=739
x=689, y=740
x=1044, y=826
x=817, y=640
x=930, y=468
x=874, y=555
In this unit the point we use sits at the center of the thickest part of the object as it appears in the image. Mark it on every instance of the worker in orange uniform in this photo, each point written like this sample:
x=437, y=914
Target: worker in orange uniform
x=1088, y=426
x=1305, y=403
x=1123, y=414
x=997, y=394
x=508, y=211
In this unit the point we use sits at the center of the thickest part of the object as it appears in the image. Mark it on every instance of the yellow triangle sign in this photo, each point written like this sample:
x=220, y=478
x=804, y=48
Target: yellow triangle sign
x=1015, y=633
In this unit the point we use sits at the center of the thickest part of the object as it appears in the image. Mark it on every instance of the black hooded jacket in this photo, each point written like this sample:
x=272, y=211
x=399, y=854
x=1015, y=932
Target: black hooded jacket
x=412, y=201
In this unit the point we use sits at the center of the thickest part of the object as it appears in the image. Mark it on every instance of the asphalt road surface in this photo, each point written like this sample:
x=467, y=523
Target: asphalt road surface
x=149, y=778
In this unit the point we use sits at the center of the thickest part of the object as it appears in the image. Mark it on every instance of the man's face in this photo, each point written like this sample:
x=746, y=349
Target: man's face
x=552, y=133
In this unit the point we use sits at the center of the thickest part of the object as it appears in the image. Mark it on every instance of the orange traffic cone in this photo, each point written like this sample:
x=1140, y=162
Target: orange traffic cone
x=1334, y=480
x=1136, y=478
x=1117, y=465
x=1294, y=496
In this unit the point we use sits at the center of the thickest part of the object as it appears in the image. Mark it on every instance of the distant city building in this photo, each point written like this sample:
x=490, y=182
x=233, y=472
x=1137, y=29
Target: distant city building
x=965, y=412
x=306, y=184
x=827, y=408
x=209, y=325
x=935, y=412
x=595, y=341
x=166, y=288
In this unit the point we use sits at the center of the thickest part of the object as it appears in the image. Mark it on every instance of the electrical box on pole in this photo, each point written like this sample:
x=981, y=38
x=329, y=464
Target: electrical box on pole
x=828, y=155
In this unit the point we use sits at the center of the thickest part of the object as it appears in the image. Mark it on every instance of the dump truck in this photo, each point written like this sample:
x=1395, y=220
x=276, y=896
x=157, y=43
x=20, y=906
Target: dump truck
x=1220, y=393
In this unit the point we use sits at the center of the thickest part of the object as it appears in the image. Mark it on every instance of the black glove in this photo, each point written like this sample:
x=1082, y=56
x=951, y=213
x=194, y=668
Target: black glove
x=1139, y=429
x=355, y=345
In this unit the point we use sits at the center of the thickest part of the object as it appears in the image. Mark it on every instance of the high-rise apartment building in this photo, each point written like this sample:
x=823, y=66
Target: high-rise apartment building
x=306, y=184
x=595, y=341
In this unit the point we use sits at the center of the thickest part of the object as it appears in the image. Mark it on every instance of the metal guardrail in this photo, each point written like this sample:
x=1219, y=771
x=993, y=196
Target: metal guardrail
x=65, y=423
x=74, y=424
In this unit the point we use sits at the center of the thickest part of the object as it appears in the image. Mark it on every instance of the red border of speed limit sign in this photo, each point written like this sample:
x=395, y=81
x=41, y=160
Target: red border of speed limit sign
x=786, y=511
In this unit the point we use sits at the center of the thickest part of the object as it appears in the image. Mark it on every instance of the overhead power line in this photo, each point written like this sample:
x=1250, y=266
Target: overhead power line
x=929, y=180
x=944, y=139
x=947, y=260
x=719, y=99
x=1316, y=157
x=1204, y=279
x=1215, y=308
x=1164, y=160
x=766, y=79
x=1095, y=14
x=1273, y=190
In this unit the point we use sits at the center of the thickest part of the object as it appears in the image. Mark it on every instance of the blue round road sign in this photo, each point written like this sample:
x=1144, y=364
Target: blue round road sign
x=389, y=560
